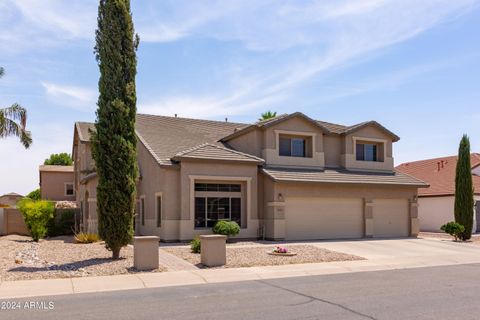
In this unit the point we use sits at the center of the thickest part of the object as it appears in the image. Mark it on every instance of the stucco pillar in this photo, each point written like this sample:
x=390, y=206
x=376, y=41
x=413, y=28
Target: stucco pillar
x=145, y=253
x=414, y=221
x=368, y=216
x=275, y=220
x=213, y=250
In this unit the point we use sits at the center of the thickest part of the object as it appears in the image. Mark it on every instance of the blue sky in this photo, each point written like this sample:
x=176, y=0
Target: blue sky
x=414, y=66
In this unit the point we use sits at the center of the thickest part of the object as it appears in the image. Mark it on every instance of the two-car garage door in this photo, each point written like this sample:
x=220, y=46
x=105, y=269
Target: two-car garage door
x=342, y=218
x=323, y=218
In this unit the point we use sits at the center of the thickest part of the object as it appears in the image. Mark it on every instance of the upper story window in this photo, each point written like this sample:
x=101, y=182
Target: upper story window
x=294, y=146
x=69, y=189
x=367, y=152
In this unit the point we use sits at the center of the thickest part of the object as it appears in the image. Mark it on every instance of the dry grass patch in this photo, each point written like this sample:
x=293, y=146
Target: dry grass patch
x=59, y=257
x=258, y=256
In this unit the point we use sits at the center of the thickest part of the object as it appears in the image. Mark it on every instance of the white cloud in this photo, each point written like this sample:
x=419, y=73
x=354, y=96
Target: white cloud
x=326, y=35
x=72, y=96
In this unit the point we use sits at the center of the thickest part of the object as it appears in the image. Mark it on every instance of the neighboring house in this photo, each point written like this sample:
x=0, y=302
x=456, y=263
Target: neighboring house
x=438, y=201
x=10, y=200
x=57, y=183
x=290, y=177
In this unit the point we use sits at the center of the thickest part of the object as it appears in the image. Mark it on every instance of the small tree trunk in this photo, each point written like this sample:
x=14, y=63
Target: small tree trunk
x=116, y=253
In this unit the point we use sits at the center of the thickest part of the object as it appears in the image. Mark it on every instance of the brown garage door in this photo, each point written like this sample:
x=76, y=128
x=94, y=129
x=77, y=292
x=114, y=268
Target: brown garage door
x=390, y=218
x=323, y=218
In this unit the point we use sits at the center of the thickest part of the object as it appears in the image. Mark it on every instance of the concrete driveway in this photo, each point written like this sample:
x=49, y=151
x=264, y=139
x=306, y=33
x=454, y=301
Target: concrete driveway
x=405, y=249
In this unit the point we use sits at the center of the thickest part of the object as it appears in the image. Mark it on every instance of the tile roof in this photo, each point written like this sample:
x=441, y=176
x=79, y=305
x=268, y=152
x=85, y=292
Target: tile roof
x=167, y=136
x=49, y=168
x=342, y=176
x=440, y=174
x=333, y=127
x=272, y=121
x=214, y=152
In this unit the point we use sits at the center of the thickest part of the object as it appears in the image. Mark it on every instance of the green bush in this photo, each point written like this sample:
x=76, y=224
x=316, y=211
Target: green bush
x=35, y=194
x=453, y=228
x=227, y=228
x=37, y=215
x=195, y=245
x=62, y=223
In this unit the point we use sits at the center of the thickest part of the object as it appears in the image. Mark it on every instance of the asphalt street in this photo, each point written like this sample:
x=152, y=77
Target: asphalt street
x=451, y=292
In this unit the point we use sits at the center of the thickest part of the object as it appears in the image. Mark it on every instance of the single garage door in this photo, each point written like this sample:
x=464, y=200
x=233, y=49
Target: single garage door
x=323, y=218
x=390, y=218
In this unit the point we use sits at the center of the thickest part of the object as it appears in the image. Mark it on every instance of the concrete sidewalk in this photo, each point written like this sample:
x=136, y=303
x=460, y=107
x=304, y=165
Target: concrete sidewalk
x=410, y=253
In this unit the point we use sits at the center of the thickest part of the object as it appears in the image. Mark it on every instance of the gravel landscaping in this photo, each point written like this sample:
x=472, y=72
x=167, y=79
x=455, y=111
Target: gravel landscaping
x=446, y=237
x=240, y=256
x=59, y=257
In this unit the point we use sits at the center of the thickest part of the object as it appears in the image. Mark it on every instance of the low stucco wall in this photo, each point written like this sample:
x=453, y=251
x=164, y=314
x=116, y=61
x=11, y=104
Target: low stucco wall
x=13, y=222
x=436, y=211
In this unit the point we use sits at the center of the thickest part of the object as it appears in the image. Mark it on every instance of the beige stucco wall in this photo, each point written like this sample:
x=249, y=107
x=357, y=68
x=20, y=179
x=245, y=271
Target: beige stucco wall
x=154, y=180
x=251, y=142
x=53, y=185
x=434, y=212
x=333, y=149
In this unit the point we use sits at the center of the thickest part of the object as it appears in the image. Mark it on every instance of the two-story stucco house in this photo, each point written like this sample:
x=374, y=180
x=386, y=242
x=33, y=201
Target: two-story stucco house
x=290, y=177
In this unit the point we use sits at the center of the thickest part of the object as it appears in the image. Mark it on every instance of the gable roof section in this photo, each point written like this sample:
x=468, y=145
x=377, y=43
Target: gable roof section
x=440, y=174
x=342, y=176
x=270, y=122
x=359, y=126
x=209, y=151
x=83, y=129
x=165, y=137
x=326, y=127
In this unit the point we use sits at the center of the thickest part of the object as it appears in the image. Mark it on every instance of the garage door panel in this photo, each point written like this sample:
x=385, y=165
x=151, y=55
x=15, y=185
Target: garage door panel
x=323, y=218
x=390, y=218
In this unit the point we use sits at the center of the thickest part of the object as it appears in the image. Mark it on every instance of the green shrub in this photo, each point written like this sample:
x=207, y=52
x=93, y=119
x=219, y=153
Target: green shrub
x=453, y=228
x=83, y=237
x=62, y=223
x=227, y=228
x=195, y=245
x=35, y=194
x=37, y=215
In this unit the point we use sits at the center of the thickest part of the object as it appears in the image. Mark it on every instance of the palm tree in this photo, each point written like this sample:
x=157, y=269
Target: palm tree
x=267, y=115
x=13, y=122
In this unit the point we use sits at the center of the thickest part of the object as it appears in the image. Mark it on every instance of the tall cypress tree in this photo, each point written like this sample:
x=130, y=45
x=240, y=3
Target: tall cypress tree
x=464, y=201
x=114, y=140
